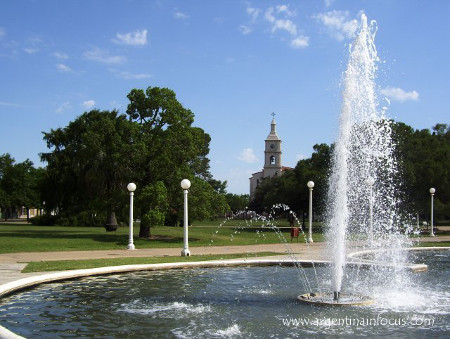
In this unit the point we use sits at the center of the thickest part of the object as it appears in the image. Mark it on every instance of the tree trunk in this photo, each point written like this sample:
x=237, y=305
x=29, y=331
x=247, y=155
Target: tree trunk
x=144, y=231
x=111, y=222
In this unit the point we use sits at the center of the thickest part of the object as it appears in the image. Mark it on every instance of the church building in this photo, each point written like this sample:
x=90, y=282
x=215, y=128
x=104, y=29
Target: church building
x=272, y=159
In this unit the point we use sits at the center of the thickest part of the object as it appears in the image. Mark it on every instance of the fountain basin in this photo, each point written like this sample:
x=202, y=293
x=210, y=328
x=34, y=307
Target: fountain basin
x=218, y=300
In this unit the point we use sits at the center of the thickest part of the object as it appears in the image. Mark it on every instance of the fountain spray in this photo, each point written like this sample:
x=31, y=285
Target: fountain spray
x=363, y=150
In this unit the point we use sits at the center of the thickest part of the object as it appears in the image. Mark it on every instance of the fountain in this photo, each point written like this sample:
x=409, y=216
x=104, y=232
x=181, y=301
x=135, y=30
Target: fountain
x=259, y=301
x=362, y=196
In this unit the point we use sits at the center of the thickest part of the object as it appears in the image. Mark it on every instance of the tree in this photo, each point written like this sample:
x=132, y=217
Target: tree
x=205, y=202
x=237, y=202
x=424, y=162
x=96, y=155
x=174, y=150
x=152, y=201
x=92, y=160
x=6, y=164
x=19, y=184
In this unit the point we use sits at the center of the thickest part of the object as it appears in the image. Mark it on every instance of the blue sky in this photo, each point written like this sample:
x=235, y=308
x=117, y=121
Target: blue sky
x=232, y=63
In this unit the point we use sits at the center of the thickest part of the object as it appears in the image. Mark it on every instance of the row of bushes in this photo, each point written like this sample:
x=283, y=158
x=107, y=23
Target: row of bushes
x=86, y=218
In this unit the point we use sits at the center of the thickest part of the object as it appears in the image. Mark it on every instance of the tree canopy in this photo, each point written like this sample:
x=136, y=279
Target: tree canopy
x=425, y=162
x=154, y=145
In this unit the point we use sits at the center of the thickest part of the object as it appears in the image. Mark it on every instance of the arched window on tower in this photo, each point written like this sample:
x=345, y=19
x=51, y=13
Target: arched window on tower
x=272, y=160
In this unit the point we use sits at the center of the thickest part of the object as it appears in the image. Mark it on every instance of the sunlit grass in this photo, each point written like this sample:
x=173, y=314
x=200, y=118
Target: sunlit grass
x=29, y=238
x=61, y=265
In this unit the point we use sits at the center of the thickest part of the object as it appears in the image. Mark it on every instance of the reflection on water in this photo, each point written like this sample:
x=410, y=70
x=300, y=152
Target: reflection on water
x=253, y=302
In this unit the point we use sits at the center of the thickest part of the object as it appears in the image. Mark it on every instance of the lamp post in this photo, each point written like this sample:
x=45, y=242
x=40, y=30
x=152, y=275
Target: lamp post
x=432, y=191
x=185, y=184
x=370, y=182
x=131, y=188
x=310, y=185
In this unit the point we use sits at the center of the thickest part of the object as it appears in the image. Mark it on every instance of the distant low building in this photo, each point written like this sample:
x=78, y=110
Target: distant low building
x=272, y=159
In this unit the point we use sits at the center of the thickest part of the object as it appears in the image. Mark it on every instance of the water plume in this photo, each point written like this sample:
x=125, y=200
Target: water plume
x=362, y=198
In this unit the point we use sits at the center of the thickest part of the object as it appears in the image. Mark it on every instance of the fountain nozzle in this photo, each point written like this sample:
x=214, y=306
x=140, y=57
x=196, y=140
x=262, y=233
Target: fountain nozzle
x=336, y=296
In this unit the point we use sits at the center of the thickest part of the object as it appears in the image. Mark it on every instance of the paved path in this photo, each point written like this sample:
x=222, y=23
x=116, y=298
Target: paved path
x=11, y=264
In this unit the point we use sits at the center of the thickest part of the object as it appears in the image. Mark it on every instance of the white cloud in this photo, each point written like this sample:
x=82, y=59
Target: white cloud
x=2, y=32
x=63, y=68
x=10, y=104
x=398, y=94
x=96, y=54
x=136, y=38
x=60, y=55
x=31, y=50
x=339, y=23
x=133, y=76
x=286, y=25
x=285, y=9
x=34, y=44
x=245, y=29
x=253, y=13
x=88, y=104
x=328, y=3
x=247, y=155
x=64, y=107
x=300, y=42
x=268, y=15
x=279, y=19
x=180, y=15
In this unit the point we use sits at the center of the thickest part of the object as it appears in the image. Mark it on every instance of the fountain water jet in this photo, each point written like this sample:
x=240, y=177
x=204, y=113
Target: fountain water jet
x=364, y=149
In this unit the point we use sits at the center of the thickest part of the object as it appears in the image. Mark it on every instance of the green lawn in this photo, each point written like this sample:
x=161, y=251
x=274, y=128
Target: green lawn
x=62, y=265
x=28, y=238
x=433, y=244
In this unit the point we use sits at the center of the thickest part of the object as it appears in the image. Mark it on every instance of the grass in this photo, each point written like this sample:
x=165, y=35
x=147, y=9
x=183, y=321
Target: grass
x=62, y=265
x=433, y=244
x=22, y=237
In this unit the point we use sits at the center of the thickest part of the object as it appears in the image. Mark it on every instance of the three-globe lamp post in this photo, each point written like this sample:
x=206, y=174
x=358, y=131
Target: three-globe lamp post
x=185, y=185
x=131, y=188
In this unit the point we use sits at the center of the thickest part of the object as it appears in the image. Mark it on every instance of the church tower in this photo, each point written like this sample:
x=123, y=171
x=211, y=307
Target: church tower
x=272, y=159
x=272, y=152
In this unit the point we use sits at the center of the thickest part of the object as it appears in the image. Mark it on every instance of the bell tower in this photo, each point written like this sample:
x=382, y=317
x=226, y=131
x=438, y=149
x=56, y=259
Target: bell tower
x=272, y=152
x=272, y=159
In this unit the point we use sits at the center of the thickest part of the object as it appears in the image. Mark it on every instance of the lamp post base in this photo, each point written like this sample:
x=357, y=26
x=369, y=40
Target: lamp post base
x=310, y=240
x=185, y=252
x=131, y=247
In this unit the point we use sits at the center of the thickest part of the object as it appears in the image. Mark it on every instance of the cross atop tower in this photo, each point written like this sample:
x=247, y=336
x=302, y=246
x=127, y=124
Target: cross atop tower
x=273, y=115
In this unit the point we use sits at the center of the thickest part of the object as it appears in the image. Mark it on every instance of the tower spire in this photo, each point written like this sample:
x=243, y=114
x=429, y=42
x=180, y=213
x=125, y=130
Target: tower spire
x=273, y=127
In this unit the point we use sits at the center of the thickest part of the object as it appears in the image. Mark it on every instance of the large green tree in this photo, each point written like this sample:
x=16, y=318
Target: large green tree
x=424, y=157
x=175, y=150
x=90, y=163
x=154, y=145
